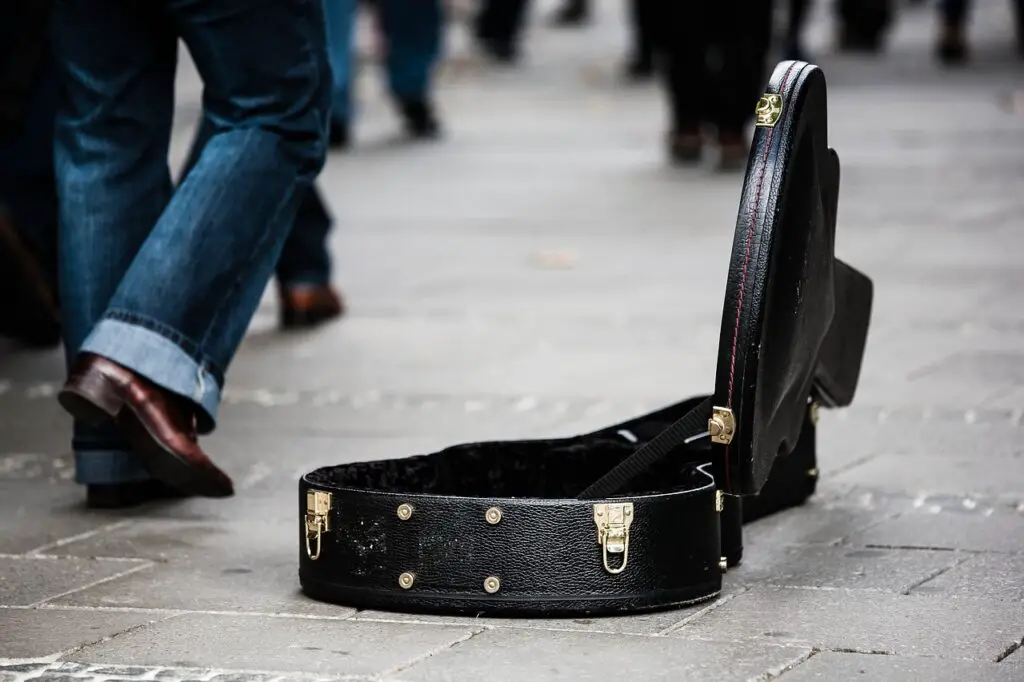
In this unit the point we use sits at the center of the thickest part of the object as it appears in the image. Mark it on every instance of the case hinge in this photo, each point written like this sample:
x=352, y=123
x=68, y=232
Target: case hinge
x=613, y=522
x=722, y=425
x=318, y=520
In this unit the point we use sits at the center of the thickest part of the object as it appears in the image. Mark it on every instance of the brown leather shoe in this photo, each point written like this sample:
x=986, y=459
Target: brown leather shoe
x=733, y=152
x=308, y=306
x=159, y=425
x=686, y=146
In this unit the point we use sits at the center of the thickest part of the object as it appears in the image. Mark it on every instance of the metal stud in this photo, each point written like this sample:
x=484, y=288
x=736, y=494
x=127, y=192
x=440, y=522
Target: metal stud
x=493, y=516
x=723, y=564
x=492, y=584
x=405, y=511
x=406, y=580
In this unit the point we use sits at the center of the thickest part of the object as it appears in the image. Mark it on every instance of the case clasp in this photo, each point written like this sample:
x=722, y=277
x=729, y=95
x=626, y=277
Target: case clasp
x=613, y=522
x=318, y=520
x=722, y=425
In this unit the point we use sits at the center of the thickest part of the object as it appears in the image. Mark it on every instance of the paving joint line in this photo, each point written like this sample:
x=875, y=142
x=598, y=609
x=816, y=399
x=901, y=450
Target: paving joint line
x=95, y=583
x=699, y=613
x=772, y=674
x=171, y=612
x=958, y=561
x=116, y=525
x=430, y=654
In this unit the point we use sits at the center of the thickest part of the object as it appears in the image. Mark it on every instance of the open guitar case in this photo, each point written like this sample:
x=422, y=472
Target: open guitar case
x=646, y=514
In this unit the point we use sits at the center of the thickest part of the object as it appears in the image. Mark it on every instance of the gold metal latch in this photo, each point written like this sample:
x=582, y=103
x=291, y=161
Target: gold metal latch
x=722, y=425
x=768, y=110
x=613, y=522
x=318, y=520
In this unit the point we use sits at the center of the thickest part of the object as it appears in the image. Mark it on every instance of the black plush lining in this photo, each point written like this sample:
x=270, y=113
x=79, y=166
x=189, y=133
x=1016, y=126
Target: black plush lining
x=557, y=468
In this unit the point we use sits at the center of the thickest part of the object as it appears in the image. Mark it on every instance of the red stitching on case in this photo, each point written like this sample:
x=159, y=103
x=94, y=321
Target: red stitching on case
x=746, y=262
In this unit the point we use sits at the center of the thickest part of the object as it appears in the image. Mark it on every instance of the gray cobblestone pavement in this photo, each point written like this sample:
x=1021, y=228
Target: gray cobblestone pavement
x=541, y=272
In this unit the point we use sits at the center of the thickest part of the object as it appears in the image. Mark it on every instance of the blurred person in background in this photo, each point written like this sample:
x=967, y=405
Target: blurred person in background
x=158, y=285
x=498, y=28
x=714, y=71
x=306, y=296
x=413, y=31
x=28, y=193
x=642, y=16
x=952, y=46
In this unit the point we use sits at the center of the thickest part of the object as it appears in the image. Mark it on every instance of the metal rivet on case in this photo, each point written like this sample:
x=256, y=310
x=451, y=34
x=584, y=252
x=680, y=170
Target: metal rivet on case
x=492, y=584
x=406, y=580
x=723, y=564
x=812, y=473
x=405, y=511
x=493, y=516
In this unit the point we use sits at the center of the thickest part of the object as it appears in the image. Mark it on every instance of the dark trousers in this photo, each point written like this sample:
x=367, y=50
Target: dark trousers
x=644, y=17
x=731, y=35
x=501, y=21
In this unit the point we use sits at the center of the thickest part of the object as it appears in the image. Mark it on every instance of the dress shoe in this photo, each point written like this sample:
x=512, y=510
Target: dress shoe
x=572, y=13
x=685, y=147
x=338, y=137
x=159, y=425
x=733, y=152
x=640, y=67
x=420, y=120
x=309, y=306
x=133, y=494
x=951, y=49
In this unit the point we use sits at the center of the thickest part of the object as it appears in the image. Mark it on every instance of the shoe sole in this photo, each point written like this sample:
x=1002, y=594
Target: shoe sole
x=92, y=405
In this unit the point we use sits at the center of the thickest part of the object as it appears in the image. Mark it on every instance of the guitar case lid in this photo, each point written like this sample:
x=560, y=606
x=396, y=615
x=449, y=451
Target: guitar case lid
x=795, y=319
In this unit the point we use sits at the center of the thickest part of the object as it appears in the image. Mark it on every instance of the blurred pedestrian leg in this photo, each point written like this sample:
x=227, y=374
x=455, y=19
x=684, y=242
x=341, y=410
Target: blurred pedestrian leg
x=714, y=72
x=643, y=15
x=158, y=286
x=340, y=16
x=951, y=47
x=413, y=30
x=305, y=293
x=499, y=26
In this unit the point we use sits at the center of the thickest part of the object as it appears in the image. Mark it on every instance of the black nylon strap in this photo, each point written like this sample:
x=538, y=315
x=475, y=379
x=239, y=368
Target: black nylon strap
x=691, y=424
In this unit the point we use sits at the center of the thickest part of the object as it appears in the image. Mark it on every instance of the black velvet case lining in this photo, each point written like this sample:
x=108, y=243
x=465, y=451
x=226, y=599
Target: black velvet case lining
x=557, y=468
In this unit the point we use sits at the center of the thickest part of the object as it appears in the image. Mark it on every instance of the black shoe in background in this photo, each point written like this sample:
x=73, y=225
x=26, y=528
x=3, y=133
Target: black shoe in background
x=420, y=120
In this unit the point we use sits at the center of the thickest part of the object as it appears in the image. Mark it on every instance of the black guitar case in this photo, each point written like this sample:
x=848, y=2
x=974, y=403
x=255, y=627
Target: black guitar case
x=645, y=514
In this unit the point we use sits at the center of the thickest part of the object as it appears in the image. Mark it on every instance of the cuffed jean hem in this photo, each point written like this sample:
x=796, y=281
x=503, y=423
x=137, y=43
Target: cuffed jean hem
x=160, y=360
x=99, y=467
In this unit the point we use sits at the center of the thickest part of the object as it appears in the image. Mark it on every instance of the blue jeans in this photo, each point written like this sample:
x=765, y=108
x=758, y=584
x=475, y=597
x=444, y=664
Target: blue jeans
x=305, y=258
x=414, y=30
x=165, y=281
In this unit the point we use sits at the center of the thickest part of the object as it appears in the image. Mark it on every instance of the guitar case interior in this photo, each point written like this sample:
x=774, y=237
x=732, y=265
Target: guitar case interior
x=646, y=514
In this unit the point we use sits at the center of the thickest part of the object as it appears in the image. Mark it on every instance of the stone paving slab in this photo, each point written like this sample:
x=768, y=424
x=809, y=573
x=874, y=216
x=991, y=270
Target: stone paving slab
x=35, y=579
x=35, y=633
x=645, y=624
x=987, y=576
x=240, y=565
x=843, y=567
x=922, y=529
x=307, y=645
x=831, y=666
x=864, y=621
x=40, y=513
x=497, y=656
